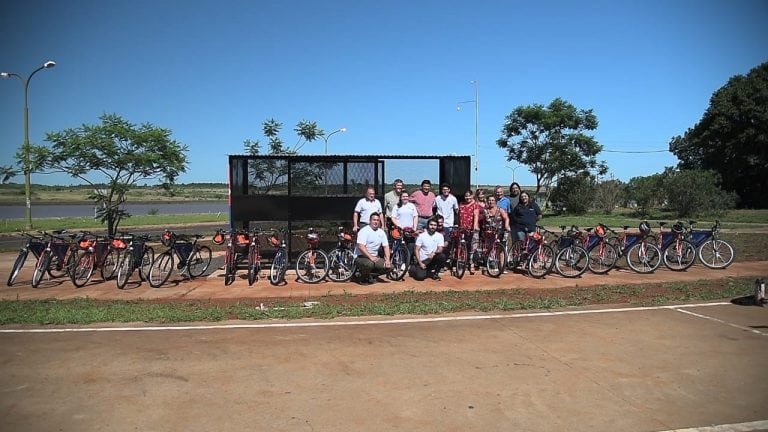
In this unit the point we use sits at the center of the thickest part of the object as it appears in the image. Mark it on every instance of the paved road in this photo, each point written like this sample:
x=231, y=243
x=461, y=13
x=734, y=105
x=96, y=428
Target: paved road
x=631, y=370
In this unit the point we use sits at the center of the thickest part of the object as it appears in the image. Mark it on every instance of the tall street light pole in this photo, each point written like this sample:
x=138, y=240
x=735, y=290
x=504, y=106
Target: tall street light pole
x=27, y=186
x=476, y=101
x=513, y=171
x=327, y=137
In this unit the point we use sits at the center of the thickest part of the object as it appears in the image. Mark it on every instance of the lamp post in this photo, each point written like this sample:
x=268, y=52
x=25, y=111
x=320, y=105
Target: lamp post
x=513, y=171
x=25, y=82
x=476, y=101
x=327, y=137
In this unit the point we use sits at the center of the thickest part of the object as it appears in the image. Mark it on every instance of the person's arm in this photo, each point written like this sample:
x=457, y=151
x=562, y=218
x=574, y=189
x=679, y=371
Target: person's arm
x=505, y=218
x=355, y=218
x=476, y=219
x=440, y=246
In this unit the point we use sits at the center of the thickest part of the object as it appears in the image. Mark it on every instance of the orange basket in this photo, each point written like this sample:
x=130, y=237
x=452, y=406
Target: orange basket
x=119, y=244
x=600, y=231
x=274, y=240
x=313, y=239
x=86, y=243
x=242, y=239
x=167, y=238
x=395, y=233
x=536, y=236
x=218, y=238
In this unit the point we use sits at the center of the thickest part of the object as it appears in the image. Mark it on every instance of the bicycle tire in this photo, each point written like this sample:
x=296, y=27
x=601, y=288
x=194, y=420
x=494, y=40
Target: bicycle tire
x=716, y=254
x=278, y=268
x=514, y=254
x=496, y=261
x=602, y=264
x=82, y=269
x=108, y=267
x=400, y=259
x=462, y=261
x=161, y=269
x=646, y=261
x=341, y=265
x=312, y=266
x=679, y=261
x=540, y=262
x=572, y=261
x=57, y=269
x=17, y=266
x=41, y=268
x=124, y=269
x=147, y=258
x=230, y=267
x=198, y=261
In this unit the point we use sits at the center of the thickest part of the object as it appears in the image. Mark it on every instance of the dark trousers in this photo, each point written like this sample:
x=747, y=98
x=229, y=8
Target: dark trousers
x=368, y=267
x=433, y=265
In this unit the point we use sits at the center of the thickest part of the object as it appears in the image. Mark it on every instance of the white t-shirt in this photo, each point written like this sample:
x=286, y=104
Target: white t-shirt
x=445, y=207
x=428, y=244
x=371, y=240
x=365, y=208
x=405, y=215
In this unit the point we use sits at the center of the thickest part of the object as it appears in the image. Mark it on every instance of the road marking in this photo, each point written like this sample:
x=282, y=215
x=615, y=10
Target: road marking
x=352, y=323
x=734, y=427
x=722, y=322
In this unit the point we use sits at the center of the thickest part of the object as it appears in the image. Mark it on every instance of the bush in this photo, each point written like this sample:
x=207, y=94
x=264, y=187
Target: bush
x=693, y=192
x=608, y=195
x=573, y=195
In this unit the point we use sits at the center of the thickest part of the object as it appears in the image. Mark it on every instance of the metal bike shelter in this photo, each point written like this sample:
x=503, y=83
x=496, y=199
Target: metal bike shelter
x=286, y=189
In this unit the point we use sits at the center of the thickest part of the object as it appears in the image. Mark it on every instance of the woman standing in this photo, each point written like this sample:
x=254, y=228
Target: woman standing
x=525, y=216
x=469, y=219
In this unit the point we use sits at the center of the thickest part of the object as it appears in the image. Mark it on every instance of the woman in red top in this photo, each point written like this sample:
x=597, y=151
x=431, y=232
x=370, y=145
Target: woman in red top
x=469, y=219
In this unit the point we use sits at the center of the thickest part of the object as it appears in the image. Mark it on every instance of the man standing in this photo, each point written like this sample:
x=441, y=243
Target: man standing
x=365, y=208
x=503, y=202
x=514, y=196
x=447, y=207
x=392, y=197
x=429, y=253
x=369, y=240
x=424, y=200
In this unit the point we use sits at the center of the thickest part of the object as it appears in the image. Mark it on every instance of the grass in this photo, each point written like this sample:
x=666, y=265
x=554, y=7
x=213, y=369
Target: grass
x=133, y=222
x=89, y=311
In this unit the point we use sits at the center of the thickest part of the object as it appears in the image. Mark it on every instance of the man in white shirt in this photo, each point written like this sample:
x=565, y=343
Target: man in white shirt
x=448, y=207
x=429, y=253
x=370, y=239
x=365, y=208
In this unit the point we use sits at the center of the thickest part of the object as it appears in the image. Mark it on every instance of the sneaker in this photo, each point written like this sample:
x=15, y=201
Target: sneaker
x=364, y=281
x=436, y=277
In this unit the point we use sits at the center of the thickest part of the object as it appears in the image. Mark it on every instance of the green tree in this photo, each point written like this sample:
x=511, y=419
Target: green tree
x=693, y=192
x=574, y=194
x=7, y=172
x=608, y=195
x=732, y=137
x=120, y=152
x=552, y=141
x=268, y=174
x=646, y=192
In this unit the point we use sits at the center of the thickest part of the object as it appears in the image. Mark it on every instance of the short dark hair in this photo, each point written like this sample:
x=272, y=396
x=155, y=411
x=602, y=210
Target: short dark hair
x=445, y=185
x=425, y=181
x=374, y=214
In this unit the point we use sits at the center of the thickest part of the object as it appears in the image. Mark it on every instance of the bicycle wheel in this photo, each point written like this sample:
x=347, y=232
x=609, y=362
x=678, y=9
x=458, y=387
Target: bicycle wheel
x=401, y=258
x=514, y=254
x=462, y=260
x=57, y=268
x=109, y=266
x=278, y=268
x=497, y=258
x=230, y=266
x=83, y=269
x=17, y=265
x=679, y=259
x=602, y=259
x=147, y=258
x=312, y=266
x=341, y=265
x=124, y=269
x=572, y=261
x=199, y=261
x=41, y=268
x=161, y=269
x=716, y=254
x=643, y=257
x=541, y=261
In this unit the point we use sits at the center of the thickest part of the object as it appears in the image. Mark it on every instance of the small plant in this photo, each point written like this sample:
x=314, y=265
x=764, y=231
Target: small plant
x=153, y=212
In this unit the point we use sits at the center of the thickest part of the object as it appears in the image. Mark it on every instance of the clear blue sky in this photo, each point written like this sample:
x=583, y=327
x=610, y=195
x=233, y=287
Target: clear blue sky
x=389, y=71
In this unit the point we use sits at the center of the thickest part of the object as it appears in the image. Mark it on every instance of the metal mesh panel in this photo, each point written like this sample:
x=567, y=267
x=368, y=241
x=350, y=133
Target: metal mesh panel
x=267, y=177
x=312, y=179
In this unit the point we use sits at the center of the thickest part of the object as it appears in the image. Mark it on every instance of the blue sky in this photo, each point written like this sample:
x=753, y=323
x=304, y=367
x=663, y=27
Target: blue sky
x=390, y=72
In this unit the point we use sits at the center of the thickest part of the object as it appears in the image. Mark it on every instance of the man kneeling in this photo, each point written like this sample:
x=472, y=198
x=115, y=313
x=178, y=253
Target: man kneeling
x=369, y=240
x=429, y=251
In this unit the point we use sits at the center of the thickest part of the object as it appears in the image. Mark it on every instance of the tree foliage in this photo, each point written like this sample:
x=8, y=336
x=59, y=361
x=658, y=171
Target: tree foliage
x=7, y=172
x=265, y=175
x=732, y=137
x=690, y=193
x=552, y=141
x=608, y=195
x=120, y=152
x=574, y=194
x=646, y=192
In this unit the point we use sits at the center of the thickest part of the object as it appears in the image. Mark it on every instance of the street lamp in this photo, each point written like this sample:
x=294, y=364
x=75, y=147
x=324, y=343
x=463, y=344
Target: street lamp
x=25, y=82
x=513, y=171
x=476, y=101
x=327, y=137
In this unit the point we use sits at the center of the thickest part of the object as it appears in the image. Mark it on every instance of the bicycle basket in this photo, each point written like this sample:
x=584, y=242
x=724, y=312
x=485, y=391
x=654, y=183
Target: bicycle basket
x=86, y=243
x=600, y=230
x=678, y=228
x=167, y=238
x=218, y=238
x=313, y=239
x=274, y=240
x=565, y=242
x=645, y=229
x=242, y=239
x=536, y=236
x=396, y=233
x=119, y=244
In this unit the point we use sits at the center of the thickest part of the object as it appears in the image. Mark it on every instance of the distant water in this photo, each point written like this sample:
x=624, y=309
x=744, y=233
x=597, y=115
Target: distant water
x=83, y=210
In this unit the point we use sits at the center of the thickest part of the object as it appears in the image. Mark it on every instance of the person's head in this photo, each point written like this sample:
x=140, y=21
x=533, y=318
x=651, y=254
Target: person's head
x=370, y=193
x=445, y=189
x=480, y=195
x=490, y=201
x=514, y=189
x=525, y=198
x=469, y=197
x=374, y=221
x=405, y=198
x=432, y=225
x=426, y=185
x=499, y=192
x=440, y=221
x=397, y=186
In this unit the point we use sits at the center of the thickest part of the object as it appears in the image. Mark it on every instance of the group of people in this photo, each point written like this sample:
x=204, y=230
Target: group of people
x=433, y=218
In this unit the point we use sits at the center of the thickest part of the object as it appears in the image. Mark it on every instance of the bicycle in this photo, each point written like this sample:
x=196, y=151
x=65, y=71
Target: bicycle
x=33, y=244
x=571, y=260
x=238, y=248
x=642, y=256
x=459, y=252
x=280, y=262
x=193, y=258
x=136, y=255
x=401, y=256
x=602, y=255
x=491, y=252
x=678, y=254
x=533, y=250
x=341, y=260
x=312, y=264
x=55, y=258
x=94, y=252
x=712, y=251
